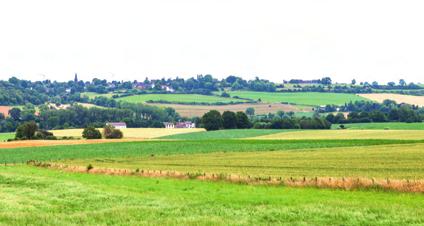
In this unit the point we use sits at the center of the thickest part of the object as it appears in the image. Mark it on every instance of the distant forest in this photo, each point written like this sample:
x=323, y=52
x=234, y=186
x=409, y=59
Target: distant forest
x=19, y=92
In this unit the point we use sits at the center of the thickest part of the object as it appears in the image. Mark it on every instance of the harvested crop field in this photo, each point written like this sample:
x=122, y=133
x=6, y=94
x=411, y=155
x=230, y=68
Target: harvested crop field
x=347, y=134
x=260, y=108
x=399, y=98
x=138, y=133
x=5, y=110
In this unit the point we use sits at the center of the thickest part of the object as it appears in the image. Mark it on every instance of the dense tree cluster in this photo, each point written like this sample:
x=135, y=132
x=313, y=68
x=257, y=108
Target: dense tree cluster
x=18, y=92
x=388, y=111
x=77, y=116
x=213, y=120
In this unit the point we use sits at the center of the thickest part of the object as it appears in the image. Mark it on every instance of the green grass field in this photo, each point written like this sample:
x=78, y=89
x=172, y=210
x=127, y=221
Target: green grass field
x=357, y=162
x=224, y=134
x=300, y=98
x=32, y=196
x=40, y=196
x=179, y=98
x=383, y=125
x=149, y=148
x=346, y=134
x=5, y=136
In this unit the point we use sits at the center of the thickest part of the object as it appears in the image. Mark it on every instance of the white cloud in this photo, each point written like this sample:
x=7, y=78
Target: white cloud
x=370, y=40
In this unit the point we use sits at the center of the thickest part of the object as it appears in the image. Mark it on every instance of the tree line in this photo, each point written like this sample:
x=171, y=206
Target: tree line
x=77, y=116
x=214, y=120
x=364, y=111
x=19, y=92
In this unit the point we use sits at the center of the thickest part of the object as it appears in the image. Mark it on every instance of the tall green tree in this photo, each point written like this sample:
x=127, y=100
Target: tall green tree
x=229, y=120
x=212, y=120
x=242, y=120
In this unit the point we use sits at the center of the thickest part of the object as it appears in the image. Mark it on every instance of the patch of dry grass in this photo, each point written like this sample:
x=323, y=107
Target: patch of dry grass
x=399, y=98
x=131, y=133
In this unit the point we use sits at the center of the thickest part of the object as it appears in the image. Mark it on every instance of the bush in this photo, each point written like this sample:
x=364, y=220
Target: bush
x=26, y=131
x=91, y=133
x=109, y=132
x=44, y=135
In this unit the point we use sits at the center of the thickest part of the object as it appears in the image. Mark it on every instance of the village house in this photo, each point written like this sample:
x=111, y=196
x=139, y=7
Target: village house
x=142, y=85
x=186, y=124
x=117, y=125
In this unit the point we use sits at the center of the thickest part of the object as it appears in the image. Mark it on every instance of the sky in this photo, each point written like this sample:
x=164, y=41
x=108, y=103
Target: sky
x=370, y=40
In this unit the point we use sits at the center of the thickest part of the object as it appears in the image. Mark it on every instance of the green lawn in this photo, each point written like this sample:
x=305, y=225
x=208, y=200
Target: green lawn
x=383, y=125
x=149, y=148
x=395, y=161
x=224, y=134
x=5, y=136
x=300, y=98
x=180, y=98
x=32, y=196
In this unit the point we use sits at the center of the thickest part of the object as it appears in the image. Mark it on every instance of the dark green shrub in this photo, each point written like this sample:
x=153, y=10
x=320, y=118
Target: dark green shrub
x=109, y=132
x=91, y=133
x=44, y=135
x=26, y=131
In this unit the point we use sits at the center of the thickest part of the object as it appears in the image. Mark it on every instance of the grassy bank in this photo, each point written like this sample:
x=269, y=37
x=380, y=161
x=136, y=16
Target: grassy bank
x=33, y=196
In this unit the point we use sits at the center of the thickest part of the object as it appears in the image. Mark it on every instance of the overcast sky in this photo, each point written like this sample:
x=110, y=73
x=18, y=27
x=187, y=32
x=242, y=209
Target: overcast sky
x=369, y=40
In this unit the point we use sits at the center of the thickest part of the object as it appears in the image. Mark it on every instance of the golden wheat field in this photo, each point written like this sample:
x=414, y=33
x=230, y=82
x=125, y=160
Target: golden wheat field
x=399, y=98
x=138, y=133
x=347, y=134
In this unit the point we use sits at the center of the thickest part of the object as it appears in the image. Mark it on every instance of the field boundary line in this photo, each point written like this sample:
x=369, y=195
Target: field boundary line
x=344, y=183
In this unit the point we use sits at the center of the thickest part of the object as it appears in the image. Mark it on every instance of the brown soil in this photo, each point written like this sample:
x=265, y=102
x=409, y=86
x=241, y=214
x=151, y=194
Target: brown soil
x=260, y=108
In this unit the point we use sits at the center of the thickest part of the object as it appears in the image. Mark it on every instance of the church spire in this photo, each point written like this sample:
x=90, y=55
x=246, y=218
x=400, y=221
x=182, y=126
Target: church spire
x=76, y=78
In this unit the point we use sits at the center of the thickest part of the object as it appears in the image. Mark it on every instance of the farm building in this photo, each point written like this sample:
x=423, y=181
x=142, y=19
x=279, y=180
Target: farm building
x=117, y=125
x=187, y=124
x=5, y=110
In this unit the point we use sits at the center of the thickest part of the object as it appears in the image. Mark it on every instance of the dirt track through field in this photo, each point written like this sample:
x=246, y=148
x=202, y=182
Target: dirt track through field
x=260, y=108
x=399, y=98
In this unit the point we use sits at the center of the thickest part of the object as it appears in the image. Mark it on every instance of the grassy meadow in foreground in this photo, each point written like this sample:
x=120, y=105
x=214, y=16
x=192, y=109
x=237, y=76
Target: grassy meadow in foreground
x=300, y=98
x=179, y=98
x=155, y=148
x=347, y=134
x=396, y=161
x=32, y=196
x=383, y=125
